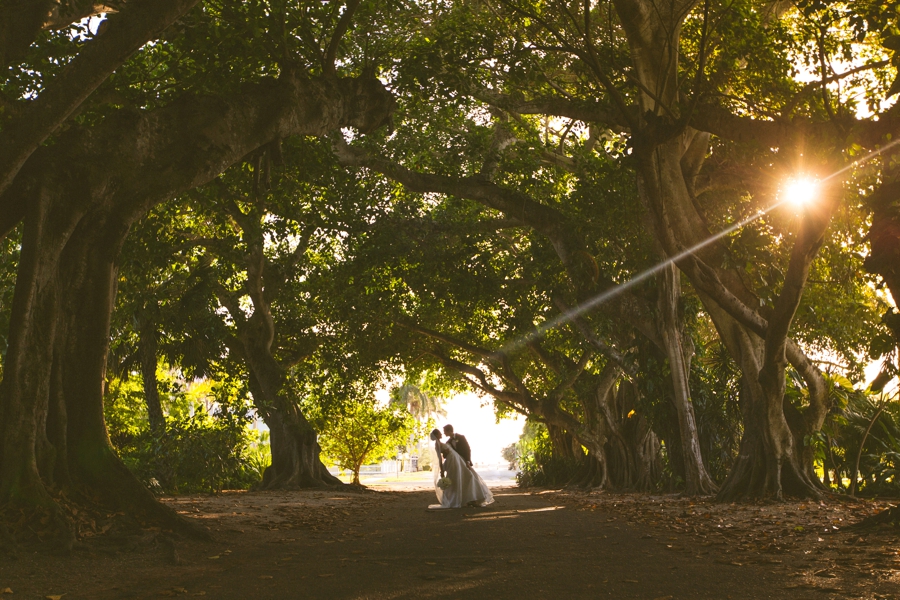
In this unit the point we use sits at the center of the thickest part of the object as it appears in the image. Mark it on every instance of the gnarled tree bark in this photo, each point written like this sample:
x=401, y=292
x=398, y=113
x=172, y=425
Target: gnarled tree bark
x=293, y=441
x=668, y=160
x=81, y=196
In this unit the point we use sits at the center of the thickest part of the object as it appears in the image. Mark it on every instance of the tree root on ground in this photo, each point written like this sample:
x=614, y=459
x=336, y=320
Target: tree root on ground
x=890, y=516
x=69, y=523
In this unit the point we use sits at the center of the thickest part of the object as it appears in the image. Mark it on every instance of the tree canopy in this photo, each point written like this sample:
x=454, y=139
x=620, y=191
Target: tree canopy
x=582, y=211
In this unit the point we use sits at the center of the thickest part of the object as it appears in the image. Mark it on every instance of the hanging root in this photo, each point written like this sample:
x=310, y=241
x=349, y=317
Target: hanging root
x=588, y=475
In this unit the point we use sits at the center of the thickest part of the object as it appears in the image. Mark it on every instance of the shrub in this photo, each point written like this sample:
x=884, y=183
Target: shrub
x=208, y=444
x=539, y=466
x=837, y=444
x=197, y=453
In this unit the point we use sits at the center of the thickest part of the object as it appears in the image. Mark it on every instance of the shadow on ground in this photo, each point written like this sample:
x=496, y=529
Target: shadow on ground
x=385, y=545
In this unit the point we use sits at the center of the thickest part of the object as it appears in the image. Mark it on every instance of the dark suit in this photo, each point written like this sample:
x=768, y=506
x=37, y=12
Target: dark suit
x=461, y=446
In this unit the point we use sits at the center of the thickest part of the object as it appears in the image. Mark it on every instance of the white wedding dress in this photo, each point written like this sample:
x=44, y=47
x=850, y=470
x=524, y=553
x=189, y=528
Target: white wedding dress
x=466, y=485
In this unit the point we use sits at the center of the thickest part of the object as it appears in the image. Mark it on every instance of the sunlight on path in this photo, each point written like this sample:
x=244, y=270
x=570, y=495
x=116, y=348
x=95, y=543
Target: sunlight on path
x=424, y=480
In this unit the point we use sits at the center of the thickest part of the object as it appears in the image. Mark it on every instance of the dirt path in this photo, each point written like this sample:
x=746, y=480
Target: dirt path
x=384, y=545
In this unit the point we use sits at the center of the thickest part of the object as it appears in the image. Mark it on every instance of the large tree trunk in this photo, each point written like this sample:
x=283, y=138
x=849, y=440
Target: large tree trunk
x=668, y=158
x=562, y=443
x=640, y=438
x=80, y=196
x=626, y=449
x=53, y=430
x=768, y=463
x=632, y=449
x=88, y=276
x=770, y=442
x=293, y=441
x=29, y=361
x=696, y=479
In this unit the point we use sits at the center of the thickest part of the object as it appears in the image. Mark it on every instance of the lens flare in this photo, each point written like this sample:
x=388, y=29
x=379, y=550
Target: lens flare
x=800, y=191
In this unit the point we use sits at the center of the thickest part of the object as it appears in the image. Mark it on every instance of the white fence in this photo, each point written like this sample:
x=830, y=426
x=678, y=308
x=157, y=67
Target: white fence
x=386, y=467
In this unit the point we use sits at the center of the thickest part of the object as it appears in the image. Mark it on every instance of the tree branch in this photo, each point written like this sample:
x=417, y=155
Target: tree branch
x=448, y=339
x=580, y=110
x=604, y=348
x=177, y=152
x=328, y=66
x=137, y=23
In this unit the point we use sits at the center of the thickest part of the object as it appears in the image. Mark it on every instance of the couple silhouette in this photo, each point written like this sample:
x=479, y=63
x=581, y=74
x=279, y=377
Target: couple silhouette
x=456, y=483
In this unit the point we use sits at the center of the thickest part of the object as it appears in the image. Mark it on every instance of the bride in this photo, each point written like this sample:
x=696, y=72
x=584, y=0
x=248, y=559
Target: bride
x=465, y=486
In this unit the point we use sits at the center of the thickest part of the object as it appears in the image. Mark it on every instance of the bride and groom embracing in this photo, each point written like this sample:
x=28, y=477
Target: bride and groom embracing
x=455, y=481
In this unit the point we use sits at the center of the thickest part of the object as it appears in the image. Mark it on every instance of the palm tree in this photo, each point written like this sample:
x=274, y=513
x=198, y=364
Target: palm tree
x=421, y=405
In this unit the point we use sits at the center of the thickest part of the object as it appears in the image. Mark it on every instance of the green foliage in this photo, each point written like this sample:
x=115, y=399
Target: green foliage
x=198, y=453
x=715, y=389
x=9, y=258
x=364, y=432
x=539, y=465
x=511, y=454
x=207, y=445
x=838, y=444
x=420, y=398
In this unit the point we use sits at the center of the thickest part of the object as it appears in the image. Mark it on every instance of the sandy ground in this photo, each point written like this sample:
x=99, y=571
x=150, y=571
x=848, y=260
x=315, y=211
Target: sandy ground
x=383, y=544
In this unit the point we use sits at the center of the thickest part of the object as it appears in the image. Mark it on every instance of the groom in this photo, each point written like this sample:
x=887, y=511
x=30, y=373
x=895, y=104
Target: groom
x=459, y=443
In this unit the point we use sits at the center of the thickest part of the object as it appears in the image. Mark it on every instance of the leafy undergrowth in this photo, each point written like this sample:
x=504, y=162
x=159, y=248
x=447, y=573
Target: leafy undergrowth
x=814, y=542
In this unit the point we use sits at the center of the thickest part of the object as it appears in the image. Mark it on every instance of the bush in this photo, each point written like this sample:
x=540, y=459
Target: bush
x=539, y=466
x=837, y=444
x=198, y=453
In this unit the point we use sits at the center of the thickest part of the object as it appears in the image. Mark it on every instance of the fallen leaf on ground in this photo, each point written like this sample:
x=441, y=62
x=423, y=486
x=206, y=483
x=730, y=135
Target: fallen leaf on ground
x=6, y=591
